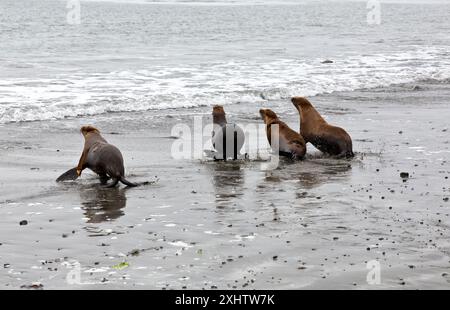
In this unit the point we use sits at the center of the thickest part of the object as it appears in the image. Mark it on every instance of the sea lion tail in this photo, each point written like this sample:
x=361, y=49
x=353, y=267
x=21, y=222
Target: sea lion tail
x=127, y=183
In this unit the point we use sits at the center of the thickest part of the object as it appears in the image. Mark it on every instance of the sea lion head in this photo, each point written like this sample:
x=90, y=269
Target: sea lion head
x=218, y=109
x=85, y=130
x=219, y=115
x=300, y=102
x=268, y=115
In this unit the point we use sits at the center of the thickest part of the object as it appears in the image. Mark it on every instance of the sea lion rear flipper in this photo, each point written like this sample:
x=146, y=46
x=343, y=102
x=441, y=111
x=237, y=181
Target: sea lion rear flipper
x=128, y=183
x=69, y=175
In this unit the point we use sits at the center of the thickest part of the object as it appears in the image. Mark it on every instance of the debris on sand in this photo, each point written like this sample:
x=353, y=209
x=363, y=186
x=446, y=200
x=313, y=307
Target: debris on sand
x=121, y=266
x=34, y=286
x=404, y=175
x=135, y=252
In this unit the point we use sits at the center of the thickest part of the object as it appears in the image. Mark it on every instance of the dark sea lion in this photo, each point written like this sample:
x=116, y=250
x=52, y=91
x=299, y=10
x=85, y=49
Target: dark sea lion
x=227, y=139
x=101, y=157
x=291, y=143
x=325, y=137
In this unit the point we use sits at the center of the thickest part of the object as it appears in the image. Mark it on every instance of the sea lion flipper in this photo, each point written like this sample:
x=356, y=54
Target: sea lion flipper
x=128, y=183
x=112, y=184
x=69, y=175
x=345, y=154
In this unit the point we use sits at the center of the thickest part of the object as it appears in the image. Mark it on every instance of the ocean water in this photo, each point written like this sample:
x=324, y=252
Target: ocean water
x=136, y=56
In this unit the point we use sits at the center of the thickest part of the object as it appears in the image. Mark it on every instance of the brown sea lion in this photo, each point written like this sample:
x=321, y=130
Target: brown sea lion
x=101, y=157
x=325, y=137
x=219, y=117
x=291, y=143
x=227, y=139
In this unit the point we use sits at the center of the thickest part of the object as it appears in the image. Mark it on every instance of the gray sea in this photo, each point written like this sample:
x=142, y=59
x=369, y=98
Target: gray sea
x=138, y=56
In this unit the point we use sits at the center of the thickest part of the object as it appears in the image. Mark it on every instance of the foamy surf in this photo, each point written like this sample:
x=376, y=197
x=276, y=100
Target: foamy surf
x=152, y=88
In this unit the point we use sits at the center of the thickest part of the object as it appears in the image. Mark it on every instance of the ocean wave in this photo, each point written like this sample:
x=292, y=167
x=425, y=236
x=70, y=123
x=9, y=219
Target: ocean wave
x=161, y=87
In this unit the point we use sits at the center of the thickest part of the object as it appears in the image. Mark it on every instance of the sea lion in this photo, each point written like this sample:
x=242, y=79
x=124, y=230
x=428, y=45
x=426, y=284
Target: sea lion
x=227, y=139
x=291, y=143
x=325, y=137
x=101, y=157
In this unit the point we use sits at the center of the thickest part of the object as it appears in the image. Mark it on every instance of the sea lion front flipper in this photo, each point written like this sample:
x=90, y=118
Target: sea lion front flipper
x=69, y=175
x=345, y=154
x=113, y=183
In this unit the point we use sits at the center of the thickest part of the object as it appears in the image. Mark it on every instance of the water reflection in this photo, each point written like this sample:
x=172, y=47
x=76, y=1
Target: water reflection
x=228, y=181
x=103, y=204
x=309, y=174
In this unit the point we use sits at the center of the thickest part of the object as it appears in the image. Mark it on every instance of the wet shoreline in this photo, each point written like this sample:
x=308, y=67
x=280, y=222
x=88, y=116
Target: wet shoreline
x=312, y=224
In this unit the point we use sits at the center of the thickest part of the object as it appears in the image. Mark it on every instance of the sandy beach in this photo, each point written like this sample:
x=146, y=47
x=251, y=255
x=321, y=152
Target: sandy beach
x=204, y=224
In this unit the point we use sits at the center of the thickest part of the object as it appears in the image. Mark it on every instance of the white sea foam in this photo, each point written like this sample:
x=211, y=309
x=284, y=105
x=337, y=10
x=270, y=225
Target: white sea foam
x=78, y=94
x=180, y=244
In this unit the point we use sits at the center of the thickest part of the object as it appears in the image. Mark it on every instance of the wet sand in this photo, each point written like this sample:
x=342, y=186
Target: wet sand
x=202, y=224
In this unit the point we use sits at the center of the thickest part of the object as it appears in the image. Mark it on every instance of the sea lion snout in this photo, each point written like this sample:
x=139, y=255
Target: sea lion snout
x=299, y=102
x=294, y=100
x=264, y=114
x=87, y=129
x=267, y=115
